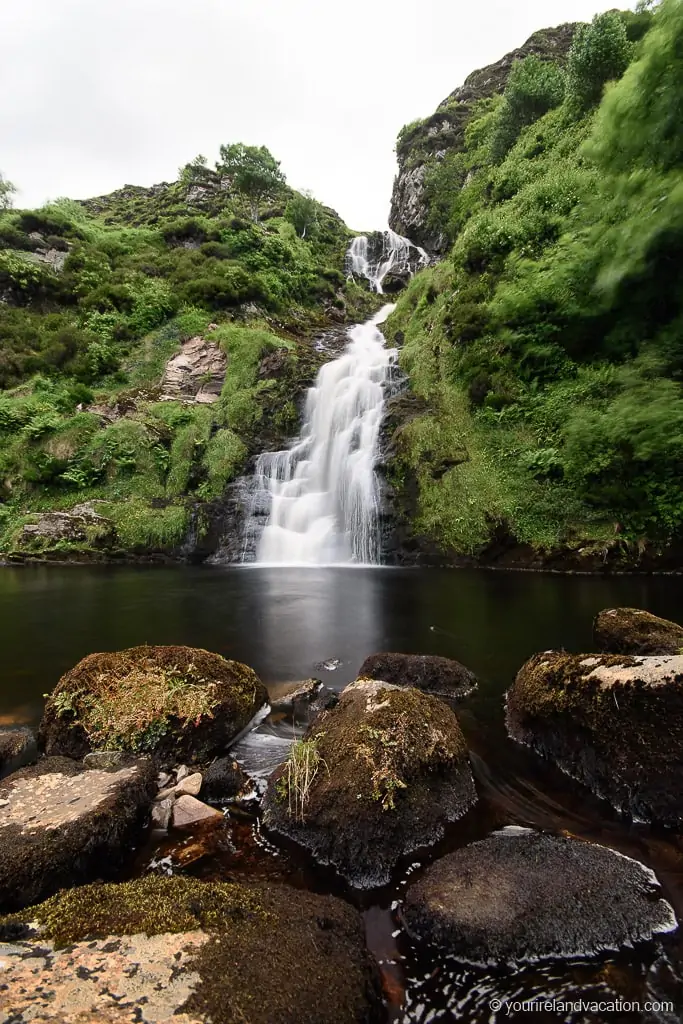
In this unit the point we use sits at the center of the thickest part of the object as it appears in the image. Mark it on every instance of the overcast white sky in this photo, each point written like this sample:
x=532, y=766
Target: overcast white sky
x=99, y=93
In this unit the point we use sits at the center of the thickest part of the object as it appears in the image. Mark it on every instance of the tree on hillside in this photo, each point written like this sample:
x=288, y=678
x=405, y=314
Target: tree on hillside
x=302, y=212
x=600, y=53
x=533, y=88
x=7, y=190
x=253, y=170
x=196, y=170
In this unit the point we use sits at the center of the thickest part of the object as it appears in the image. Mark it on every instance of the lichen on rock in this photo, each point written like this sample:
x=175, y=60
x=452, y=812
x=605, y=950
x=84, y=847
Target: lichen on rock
x=176, y=702
x=612, y=721
x=391, y=770
x=62, y=824
x=189, y=951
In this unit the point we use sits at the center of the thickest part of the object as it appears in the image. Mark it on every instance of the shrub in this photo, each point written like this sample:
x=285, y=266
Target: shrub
x=600, y=53
x=533, y=88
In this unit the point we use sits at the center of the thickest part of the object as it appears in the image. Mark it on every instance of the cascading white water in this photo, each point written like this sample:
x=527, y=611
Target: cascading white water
x=323, y=490
x=397, y=253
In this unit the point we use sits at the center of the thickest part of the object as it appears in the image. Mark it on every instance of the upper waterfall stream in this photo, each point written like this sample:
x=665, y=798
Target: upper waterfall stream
x=322, y=492
x=374, y=261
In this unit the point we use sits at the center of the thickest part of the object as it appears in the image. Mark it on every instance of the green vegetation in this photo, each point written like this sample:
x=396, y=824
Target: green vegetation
x=547, y=346
x=300, y=771
x=96, y=297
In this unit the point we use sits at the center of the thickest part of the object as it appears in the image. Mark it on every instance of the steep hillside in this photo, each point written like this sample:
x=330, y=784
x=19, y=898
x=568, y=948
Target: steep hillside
x=150, y=342
x=545, y=419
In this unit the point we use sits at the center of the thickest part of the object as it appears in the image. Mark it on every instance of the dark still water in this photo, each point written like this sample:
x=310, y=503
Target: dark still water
x=285, y=623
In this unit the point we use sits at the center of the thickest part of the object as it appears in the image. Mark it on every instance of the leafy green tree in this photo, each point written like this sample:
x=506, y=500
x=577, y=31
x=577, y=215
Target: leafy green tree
x=302, y=212
x=7, y=190
x=600, y=53
x=254, y=172
x=194, y=171
x=639, y=123
x=533, y=88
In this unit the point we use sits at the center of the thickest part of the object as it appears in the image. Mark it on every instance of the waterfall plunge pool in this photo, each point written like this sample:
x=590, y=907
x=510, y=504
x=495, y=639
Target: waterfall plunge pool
x=286, y=622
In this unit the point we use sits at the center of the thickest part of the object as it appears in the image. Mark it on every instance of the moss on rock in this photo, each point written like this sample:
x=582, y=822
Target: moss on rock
x=261, y=954
x=391, y=769
x=175, y=702
x=614, y=722
x=634, y=631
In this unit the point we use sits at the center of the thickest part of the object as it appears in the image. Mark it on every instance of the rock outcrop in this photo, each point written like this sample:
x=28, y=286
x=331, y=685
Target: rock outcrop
x=521, y=896
x=179, y=703
x=613, y=722
x=634, y=631
x=176, y=949
x=195, y=374
x=443, y=677
x=375, y=778
x=62, y=824
x=423, y=144
x=60, y=535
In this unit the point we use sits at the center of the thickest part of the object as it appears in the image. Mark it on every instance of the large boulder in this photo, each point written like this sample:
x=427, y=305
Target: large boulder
x=60, y=536
x=179, y=703
x=177, y=949
x=62, y=824
x=17, y=748
x=195, y=374
x=427, y=672
x=523, y=896
x=634, y=631
x=373, y=779
x=614, y=722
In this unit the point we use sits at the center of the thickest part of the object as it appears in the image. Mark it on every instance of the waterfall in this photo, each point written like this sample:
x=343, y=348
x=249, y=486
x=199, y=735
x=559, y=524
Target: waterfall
x=396, y=254
x=321, y=494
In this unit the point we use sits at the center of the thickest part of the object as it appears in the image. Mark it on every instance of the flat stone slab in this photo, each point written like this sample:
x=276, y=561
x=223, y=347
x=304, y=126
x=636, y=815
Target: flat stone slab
x=182, y=951
x=189, y=811
x=61, y=823
x=523, y=896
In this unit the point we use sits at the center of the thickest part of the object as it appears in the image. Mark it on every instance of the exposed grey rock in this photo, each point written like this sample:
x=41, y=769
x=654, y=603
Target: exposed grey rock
x=522, y=896
x=424, y=144
x=80, y=526
x=161, y=813
x=195, y=374
x=181, y=772
x=106, y=759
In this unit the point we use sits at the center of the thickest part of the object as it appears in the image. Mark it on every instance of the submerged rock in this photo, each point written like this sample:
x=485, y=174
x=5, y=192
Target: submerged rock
x=175, y=702
x=17, y=748
x=62, y=824
x=374, y=778
x=634, y=631
x=523, y=896
x=614, y=722
x=426, y=672
x=176, y=949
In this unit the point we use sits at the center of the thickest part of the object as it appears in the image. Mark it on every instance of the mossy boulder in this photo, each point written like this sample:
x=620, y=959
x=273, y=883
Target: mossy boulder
x=375, y=778
x=163, y=949
x=521, y=896
x=179, y=703
x=634, y=631
x=427, y=672
x=18, y=747
x=612, y=721
x=62, y=824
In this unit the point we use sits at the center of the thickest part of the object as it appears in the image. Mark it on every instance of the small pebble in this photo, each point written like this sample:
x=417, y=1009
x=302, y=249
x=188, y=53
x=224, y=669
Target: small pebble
x=182, y=772
x=190, y=785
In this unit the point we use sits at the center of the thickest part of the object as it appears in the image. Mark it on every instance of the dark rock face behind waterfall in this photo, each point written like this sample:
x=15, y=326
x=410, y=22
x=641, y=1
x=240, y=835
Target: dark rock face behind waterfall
x=424, y=143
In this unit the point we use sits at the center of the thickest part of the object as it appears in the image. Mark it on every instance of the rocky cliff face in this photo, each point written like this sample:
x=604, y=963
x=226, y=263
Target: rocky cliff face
x=423, y=143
